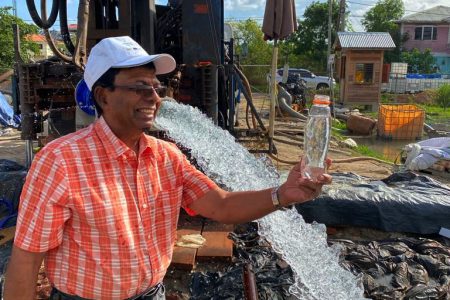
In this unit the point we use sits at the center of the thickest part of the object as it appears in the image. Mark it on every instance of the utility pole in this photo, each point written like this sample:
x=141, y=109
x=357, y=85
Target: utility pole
x=329, y=62
x=330, y=11
x=15, y=8
x=341, y=19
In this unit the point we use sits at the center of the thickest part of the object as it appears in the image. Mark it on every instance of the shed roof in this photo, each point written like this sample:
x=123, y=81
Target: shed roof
x=437, y=14
x=365, y=40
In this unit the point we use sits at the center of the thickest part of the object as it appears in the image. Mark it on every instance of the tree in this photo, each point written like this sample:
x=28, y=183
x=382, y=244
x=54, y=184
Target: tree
x=250, y=43
x=253, y=50
x=381, y=18
x=418, y=62
x=311, y=37
x=6, y=38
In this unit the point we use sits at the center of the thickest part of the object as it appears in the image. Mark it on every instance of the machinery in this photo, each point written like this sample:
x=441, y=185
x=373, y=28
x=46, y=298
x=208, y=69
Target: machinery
x=192, y=31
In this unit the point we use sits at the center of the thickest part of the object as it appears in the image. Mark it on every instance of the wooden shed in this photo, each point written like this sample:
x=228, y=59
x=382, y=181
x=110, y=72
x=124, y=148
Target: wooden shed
x=360, y=66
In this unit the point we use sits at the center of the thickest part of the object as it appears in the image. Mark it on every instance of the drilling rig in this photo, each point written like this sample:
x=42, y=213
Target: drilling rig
x=192, y=31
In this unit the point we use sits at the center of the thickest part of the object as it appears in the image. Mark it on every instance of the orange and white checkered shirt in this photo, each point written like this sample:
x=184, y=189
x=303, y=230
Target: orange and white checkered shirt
x=106, y=217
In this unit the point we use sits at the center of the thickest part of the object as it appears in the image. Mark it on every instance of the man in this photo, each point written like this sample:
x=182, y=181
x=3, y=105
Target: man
x=101, y=205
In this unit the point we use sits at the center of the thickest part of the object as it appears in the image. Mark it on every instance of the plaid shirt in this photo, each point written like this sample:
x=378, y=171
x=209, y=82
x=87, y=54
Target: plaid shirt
x=106, y=217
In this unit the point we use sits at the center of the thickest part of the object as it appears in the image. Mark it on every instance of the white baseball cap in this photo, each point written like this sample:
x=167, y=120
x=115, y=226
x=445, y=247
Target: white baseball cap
x=122, y=52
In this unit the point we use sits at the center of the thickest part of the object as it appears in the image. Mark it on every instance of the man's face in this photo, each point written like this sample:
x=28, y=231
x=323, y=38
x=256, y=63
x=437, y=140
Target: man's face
x=126, y=109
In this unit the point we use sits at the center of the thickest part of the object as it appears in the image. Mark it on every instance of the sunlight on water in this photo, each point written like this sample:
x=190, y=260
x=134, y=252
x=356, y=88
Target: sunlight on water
x=303, y=246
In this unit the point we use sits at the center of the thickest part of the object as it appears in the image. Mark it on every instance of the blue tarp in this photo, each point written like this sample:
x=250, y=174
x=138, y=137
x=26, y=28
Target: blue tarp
x=7, y=117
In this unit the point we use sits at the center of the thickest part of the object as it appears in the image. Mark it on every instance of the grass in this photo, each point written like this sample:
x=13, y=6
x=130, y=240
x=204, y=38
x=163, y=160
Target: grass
x=436, y=111
x=339, y=124
x=366, y=151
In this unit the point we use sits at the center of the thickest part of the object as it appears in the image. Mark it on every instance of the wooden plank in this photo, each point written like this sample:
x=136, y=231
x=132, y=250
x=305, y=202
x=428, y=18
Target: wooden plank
x=184, y=258
x=7, y=234
x=218, y=246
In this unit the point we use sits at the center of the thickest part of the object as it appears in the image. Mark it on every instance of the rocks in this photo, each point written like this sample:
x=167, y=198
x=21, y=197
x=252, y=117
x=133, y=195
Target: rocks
x=361, y=125
x=350, y=143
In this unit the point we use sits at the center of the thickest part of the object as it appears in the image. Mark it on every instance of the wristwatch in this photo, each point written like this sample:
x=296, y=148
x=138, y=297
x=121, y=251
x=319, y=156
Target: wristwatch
x=275, y=199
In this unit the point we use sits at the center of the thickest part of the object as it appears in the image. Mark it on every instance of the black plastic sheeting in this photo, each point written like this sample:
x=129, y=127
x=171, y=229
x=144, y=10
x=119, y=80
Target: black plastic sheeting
x=404, y=268
x=273, y=276
x=403, y=202
x=12, y=178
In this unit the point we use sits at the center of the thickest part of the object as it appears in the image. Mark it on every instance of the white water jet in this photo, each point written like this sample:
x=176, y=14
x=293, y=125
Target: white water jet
x=303, y=246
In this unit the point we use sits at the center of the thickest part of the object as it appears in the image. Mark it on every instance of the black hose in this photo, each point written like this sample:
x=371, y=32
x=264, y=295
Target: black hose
x=45, y=24
x=64, y=26
x=49, y=38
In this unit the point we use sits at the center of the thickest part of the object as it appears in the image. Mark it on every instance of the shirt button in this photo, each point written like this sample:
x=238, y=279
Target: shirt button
x=144, y=205
x=149, y=236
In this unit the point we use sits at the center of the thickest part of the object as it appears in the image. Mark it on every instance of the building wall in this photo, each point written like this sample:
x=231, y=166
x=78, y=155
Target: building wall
x=441, y=45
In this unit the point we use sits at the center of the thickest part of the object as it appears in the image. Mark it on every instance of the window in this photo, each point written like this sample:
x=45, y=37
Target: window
x=418, y=33
x=364, y=73
x=305, y=74
x=425, y=33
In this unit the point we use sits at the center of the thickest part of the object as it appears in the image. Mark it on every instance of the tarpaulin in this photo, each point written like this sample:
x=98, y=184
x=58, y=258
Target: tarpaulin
x=272, y=275
x=7, y=117
x=403, y=202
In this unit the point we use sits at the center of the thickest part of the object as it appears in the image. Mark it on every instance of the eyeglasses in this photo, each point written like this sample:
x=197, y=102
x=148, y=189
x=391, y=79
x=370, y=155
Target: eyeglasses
x=143, y=90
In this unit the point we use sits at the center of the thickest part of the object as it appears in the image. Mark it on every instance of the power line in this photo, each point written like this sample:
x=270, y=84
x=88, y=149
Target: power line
x=406, y=10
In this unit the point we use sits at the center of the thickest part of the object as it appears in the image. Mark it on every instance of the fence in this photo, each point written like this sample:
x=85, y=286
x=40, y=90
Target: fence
x=400, y=83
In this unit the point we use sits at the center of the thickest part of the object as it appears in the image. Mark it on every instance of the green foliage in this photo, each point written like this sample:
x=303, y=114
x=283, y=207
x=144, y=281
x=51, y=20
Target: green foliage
x=381, y=18
x=311, y=38
x=443, y=96
x=250, y=44
x=6, y=38
x=387, y=98
x=339, y=124
x=418, y=62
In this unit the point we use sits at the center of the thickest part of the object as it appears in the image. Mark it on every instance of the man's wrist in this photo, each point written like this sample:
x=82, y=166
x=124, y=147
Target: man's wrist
x=275, y=195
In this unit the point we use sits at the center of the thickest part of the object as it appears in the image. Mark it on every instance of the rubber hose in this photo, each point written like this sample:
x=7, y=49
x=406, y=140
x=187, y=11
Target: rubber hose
x=44, y=24
x=64, y=26
x=337, y=161
x=49, y=38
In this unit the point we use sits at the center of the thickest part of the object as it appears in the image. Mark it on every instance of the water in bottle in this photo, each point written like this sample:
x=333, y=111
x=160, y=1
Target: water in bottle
x=317, y=137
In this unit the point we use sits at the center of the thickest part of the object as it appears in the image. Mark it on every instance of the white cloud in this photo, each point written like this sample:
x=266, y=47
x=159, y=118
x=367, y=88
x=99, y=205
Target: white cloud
x=245, y=5
x=413, y=5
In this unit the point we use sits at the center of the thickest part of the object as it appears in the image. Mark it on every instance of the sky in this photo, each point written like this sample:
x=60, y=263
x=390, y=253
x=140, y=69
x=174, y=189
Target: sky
x=244, y=9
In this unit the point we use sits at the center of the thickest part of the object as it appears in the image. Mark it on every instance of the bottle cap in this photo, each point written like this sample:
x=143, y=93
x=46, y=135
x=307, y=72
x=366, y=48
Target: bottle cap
x=321, y=99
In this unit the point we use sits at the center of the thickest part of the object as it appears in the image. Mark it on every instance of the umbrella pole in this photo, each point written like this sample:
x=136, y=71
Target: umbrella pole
x=273, y=95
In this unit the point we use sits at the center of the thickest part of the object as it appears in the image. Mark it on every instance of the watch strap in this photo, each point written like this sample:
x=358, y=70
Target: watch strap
x=275, y=198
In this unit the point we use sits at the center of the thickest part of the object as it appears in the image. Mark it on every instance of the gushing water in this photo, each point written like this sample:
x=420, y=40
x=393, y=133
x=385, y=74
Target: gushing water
x=303, y=246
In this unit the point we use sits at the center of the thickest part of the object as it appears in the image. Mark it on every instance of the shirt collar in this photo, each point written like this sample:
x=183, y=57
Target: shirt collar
x=114, y=147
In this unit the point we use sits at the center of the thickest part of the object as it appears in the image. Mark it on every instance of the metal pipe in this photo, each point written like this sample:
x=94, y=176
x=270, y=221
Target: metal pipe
x=28, y=153
x=250, y=289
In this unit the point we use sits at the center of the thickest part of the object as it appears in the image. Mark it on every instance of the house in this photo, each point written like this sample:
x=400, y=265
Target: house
x=429, y=29
x=44, y=48
x=360, y=66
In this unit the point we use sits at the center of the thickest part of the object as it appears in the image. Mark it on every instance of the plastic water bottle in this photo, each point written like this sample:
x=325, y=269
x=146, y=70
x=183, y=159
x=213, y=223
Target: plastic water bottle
x=317, y=137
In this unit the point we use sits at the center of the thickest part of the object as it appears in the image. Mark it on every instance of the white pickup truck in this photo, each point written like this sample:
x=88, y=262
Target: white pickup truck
x=312, y=81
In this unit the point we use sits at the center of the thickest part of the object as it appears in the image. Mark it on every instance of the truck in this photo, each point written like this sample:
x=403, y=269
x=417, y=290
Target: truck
x=312, y=80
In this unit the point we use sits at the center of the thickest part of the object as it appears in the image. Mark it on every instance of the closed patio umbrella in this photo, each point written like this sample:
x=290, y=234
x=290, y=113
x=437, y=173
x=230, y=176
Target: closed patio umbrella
x=279, y=22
